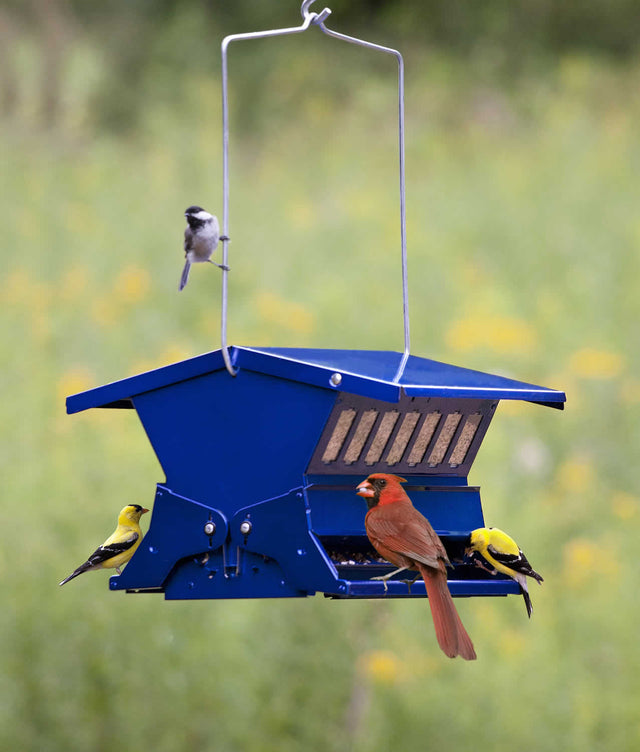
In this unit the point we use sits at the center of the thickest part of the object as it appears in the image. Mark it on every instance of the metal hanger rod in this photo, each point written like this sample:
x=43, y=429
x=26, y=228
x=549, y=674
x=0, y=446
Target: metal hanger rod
x=316, y=19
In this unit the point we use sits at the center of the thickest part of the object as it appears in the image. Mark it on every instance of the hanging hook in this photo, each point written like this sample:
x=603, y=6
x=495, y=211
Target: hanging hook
x=316, y=18
x=309, y=19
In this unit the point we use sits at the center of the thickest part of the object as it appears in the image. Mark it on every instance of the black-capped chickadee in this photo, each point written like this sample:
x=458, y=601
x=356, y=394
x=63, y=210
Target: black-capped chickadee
x=200, y=240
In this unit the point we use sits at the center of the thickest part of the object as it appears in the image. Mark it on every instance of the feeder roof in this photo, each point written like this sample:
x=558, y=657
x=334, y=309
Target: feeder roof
x=369, y=373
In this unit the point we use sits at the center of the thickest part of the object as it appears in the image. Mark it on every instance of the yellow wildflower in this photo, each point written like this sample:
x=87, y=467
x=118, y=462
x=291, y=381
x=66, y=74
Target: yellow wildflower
x=381, y=666
x=105, y=311
x=74, y=282
x=302, y=214
x=624, y=505
x=576, y=474
x=591, y=363
x=17, y=286
x=630, y=391
x=132, y=284
x=583, y=559
x=77, y=379
x=173, y=354
x=500, y=334
x=512, y=642
x=284, y=313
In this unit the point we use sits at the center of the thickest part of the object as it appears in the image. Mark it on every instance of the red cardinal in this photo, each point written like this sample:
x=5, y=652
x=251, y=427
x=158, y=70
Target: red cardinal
x=404, y=537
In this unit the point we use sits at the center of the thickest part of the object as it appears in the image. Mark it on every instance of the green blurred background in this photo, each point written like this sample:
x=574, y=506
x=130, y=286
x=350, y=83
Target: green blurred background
x=523, y=188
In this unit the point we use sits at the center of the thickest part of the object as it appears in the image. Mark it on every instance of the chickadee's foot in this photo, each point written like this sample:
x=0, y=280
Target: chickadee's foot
x=224, y=267
x=224, y=237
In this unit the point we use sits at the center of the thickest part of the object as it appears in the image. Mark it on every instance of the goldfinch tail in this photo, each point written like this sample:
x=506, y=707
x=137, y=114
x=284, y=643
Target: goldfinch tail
x=524, y=589
x=83, y=568
x=527, y=601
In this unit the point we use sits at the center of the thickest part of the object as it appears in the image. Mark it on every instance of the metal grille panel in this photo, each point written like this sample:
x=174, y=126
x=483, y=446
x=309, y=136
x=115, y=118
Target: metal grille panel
x=464, y=441
x=409, y=422
x=381, y=437
x=444, y=439
x=338, y=436
x=419, y=449
x=367, y=419
x=418, y=435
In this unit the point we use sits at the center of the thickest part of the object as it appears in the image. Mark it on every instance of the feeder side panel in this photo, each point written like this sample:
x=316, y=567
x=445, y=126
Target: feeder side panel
x=452, y=510
x=230, y=442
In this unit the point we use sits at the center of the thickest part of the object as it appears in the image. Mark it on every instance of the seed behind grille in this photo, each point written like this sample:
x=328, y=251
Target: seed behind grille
x=424, y=438
x=409, y=422
x=443, y=441
x=360, y=437
x=382, y=436
x=338, y=436
x=464, y=442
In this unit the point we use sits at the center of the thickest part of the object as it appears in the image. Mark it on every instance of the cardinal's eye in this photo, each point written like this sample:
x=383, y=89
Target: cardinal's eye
x=382, y=482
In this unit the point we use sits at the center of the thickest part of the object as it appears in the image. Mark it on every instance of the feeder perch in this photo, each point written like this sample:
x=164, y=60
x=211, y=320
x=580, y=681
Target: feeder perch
x=261, y=468
x=263, y=448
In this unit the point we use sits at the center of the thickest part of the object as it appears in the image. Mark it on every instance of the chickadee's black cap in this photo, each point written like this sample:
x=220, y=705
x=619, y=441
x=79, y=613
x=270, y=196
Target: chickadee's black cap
x=193, y=210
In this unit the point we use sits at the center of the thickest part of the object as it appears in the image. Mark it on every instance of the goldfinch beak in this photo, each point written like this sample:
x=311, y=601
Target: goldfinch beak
x=365, y=489
x=144, y=511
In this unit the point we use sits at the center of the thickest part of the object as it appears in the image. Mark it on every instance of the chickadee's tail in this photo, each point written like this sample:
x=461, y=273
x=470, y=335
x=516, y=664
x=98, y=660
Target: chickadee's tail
x=185, y=274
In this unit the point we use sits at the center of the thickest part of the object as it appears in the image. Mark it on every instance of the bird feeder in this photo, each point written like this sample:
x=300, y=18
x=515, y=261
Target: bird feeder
x=262, y=449
x=261, y=468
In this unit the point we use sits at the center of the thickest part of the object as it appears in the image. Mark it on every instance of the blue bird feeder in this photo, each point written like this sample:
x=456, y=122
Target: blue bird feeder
x=259, y=499
x=263, y=448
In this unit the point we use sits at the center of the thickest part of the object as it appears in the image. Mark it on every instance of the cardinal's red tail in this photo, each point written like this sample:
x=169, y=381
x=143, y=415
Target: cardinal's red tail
x=450, y=632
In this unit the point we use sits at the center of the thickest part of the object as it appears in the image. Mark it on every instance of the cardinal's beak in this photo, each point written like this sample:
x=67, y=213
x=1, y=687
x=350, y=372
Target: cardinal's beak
x=365, y=489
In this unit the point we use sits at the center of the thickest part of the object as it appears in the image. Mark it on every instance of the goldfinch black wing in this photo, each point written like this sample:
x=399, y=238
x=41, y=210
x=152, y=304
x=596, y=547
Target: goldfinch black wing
x=103, y=553
x=517, y=562
x=108, y=550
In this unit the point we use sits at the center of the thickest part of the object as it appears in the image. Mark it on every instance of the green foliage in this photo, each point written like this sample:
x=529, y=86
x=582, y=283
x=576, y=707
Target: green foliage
x=155, y=46
x=523, y=253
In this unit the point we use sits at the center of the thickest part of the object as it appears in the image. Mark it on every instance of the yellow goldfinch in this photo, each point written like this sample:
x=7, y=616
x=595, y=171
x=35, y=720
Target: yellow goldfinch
x=119, y=546
x=504, y=554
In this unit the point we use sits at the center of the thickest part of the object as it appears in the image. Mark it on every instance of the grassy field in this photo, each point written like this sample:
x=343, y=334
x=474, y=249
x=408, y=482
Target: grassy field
x=524, y=254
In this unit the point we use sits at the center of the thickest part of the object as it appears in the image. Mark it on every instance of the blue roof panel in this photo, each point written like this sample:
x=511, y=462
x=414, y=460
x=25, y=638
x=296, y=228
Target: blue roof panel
x=368, y=370
x=115, y=393
x=369, y=373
